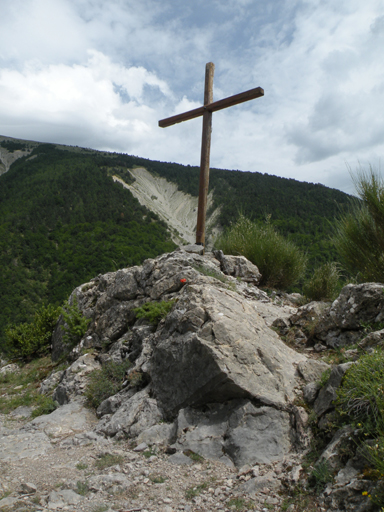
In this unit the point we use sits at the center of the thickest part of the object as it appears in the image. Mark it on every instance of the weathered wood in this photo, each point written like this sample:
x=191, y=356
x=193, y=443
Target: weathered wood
x=213, y=107
x=206, y=111
x=205, y=154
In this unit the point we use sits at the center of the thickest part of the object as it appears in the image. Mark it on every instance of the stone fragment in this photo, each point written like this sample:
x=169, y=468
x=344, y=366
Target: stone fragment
x=28, y=488
x=180, y=459
x=312, y=370
x=356, y=305
x=9, y=368
x=311, y=391
x=141, y=447
x=238, y=266
x=134, y=416
x=330, y=454
x=327, y=393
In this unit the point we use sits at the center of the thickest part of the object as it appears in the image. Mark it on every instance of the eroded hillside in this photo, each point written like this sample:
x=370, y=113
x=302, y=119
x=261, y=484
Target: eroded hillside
x=178, y=209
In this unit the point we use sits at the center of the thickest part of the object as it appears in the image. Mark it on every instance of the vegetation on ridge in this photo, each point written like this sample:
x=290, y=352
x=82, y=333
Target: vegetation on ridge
x=280, y=262
x=359, y=235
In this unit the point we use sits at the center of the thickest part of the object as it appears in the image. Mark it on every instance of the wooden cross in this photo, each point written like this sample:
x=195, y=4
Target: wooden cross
x=206, y=111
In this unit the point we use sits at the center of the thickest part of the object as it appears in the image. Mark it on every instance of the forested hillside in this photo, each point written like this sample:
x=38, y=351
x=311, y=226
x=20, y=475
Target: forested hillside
x=63, y=220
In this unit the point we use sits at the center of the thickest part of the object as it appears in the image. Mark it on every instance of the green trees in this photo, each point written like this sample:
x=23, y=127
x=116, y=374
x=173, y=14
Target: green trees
x=280, y=262
x=359, y=235
x=28, y=340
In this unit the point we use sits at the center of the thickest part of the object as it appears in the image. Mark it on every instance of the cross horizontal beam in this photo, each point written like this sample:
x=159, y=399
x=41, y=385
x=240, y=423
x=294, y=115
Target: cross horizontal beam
x=213, y=107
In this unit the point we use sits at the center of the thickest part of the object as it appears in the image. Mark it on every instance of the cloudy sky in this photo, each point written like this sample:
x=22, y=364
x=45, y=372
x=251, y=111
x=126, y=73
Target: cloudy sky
x=101, y=73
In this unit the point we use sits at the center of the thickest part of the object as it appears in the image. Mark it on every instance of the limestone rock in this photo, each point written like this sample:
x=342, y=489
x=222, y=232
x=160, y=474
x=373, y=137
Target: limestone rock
x=137, y=414
x=327, y=393
x=237, y=430
x=312, y=370
x=357, y=304
x=74, y=379
x=9, y=368
x=238, y=266
x=215, y=347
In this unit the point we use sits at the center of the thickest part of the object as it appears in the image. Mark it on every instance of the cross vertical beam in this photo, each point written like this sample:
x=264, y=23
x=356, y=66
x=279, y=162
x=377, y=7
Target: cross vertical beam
x=205, y=155
x=206, y=111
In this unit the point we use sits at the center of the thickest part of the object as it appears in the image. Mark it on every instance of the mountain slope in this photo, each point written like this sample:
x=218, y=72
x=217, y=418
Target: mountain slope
x=69, y=213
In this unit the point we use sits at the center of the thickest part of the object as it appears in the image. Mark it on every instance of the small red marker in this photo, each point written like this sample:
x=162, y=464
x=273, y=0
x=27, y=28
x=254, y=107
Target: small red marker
x=183, y=281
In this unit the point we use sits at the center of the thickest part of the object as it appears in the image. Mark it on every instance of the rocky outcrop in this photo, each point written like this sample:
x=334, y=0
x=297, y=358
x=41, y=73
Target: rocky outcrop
x=357, y=306
x=213, y=350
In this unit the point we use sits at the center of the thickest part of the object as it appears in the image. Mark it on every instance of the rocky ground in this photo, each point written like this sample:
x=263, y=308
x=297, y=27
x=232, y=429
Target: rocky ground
x=56, y=462
x=218, y=409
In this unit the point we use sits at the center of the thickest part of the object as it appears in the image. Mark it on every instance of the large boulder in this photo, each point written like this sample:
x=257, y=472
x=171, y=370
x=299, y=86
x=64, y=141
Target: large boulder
x=236, y=431
x=214, y=347
x=356, y=306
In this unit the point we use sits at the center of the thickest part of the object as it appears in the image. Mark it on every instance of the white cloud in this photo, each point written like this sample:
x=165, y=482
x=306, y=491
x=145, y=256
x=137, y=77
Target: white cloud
x=101, y=74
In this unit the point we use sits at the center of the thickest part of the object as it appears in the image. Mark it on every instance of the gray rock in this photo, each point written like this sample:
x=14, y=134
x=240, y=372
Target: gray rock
x=372, y=339
x=257, y=435
x=116, y=482
x=331, y=452
x=237, y=430
x=193, y=248
x=5, y=503
x=312, y=370
x=22, y=412
x=70, y=419
x=255, y=485
x=346, y=475
x=9, y=368
x=23, y=445
x=238, y=266
x=161, y=435
x=327, y=393
x=141, y=447
x=311, y=391
x=135, y=415
x=74, y=379
x=113, y=403
x=28, y=488
x=180, y=459
x=51, y=382
x=357, y=304
x=215, y=347
x=308, y=314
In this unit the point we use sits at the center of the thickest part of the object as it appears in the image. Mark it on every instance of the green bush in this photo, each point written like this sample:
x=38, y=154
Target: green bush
x=359, y=234
x=28, y=340
x=154, y=311
x=105, y=382
x=361, y=395
x=280, y=262
x=360, y=399
x=324, y=284
x=75, y=325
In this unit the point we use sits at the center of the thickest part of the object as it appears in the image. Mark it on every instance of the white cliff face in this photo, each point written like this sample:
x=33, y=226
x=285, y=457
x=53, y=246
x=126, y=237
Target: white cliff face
x=176, y=208
x=7, y=158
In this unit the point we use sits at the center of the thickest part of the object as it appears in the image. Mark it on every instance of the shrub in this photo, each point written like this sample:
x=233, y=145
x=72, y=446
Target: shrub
x=280, y=262
x=28, y=340
x=361, y=399
x=154, y=311
x=359, y=234
x=361, y=395
x=75, y=325
x=320, y=476
x=105, y=382
x=324, y=284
